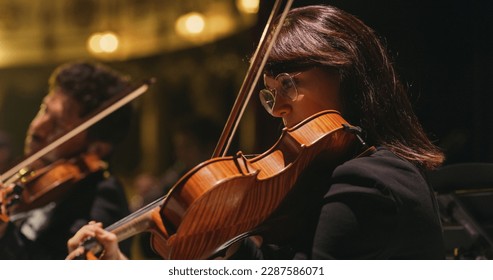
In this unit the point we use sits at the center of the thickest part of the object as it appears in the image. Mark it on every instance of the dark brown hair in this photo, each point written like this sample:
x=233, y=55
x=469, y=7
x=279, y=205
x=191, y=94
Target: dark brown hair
x=373, y=96
x=91, y=84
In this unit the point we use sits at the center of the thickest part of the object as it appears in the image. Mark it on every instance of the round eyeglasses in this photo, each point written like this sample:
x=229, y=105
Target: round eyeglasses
x=286, y=88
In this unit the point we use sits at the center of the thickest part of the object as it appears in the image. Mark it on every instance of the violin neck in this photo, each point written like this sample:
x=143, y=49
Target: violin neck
x=134, y=224
x=145, y=219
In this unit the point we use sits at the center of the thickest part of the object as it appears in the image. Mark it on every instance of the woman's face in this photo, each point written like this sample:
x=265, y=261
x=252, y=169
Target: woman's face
x=317, y=90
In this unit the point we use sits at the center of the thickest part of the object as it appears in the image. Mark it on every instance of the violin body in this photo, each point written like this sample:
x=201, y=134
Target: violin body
x=226, y=199
x=39, y=187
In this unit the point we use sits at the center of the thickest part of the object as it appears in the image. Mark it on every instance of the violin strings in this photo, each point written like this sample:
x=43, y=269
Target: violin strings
x=137, y=213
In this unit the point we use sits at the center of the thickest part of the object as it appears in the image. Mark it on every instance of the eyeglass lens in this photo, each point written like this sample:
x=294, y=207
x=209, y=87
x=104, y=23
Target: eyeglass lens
x=287, y=89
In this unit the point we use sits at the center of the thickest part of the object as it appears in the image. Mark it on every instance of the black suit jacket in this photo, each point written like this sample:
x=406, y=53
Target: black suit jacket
x=97, y=197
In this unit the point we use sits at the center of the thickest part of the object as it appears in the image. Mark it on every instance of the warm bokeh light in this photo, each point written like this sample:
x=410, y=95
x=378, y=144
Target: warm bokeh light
x=109, y=42
x=190, y=24
x=139, y=28
x=93, y=43
x=248, y=6
x=106, y=42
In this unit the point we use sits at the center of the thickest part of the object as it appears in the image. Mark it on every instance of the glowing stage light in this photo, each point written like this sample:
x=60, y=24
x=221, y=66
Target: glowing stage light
x=190, y=24
x=248, y=6
x=105, y=42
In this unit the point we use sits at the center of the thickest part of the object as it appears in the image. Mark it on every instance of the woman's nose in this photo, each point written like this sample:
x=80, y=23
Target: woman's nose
x=282, y=107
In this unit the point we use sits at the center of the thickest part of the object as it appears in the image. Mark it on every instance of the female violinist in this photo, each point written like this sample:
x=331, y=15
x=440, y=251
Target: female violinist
x=376, y=206
x=75, y=90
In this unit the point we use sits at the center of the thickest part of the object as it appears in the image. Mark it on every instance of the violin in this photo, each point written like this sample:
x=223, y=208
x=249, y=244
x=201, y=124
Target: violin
x=226, y=199
x=51, y=183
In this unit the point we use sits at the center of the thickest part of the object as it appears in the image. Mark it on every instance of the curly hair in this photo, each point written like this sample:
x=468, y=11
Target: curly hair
x=91, y=84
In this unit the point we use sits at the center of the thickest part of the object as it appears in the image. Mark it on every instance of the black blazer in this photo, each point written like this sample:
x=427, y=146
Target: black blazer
x=95, y=198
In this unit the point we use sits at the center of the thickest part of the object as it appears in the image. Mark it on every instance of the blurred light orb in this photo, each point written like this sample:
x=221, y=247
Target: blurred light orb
x=190, y=24
x=105, y=42
x=248, y=6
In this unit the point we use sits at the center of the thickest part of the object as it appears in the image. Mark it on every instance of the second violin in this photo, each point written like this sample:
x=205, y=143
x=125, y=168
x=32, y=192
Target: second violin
x=36, y=188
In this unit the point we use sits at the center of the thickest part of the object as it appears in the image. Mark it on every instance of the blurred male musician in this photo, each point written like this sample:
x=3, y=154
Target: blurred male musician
x=75, y=90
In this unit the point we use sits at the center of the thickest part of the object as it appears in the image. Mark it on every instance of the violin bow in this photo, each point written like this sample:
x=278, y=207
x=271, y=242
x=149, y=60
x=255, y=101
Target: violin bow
x=258, y=62
x=109, y=107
